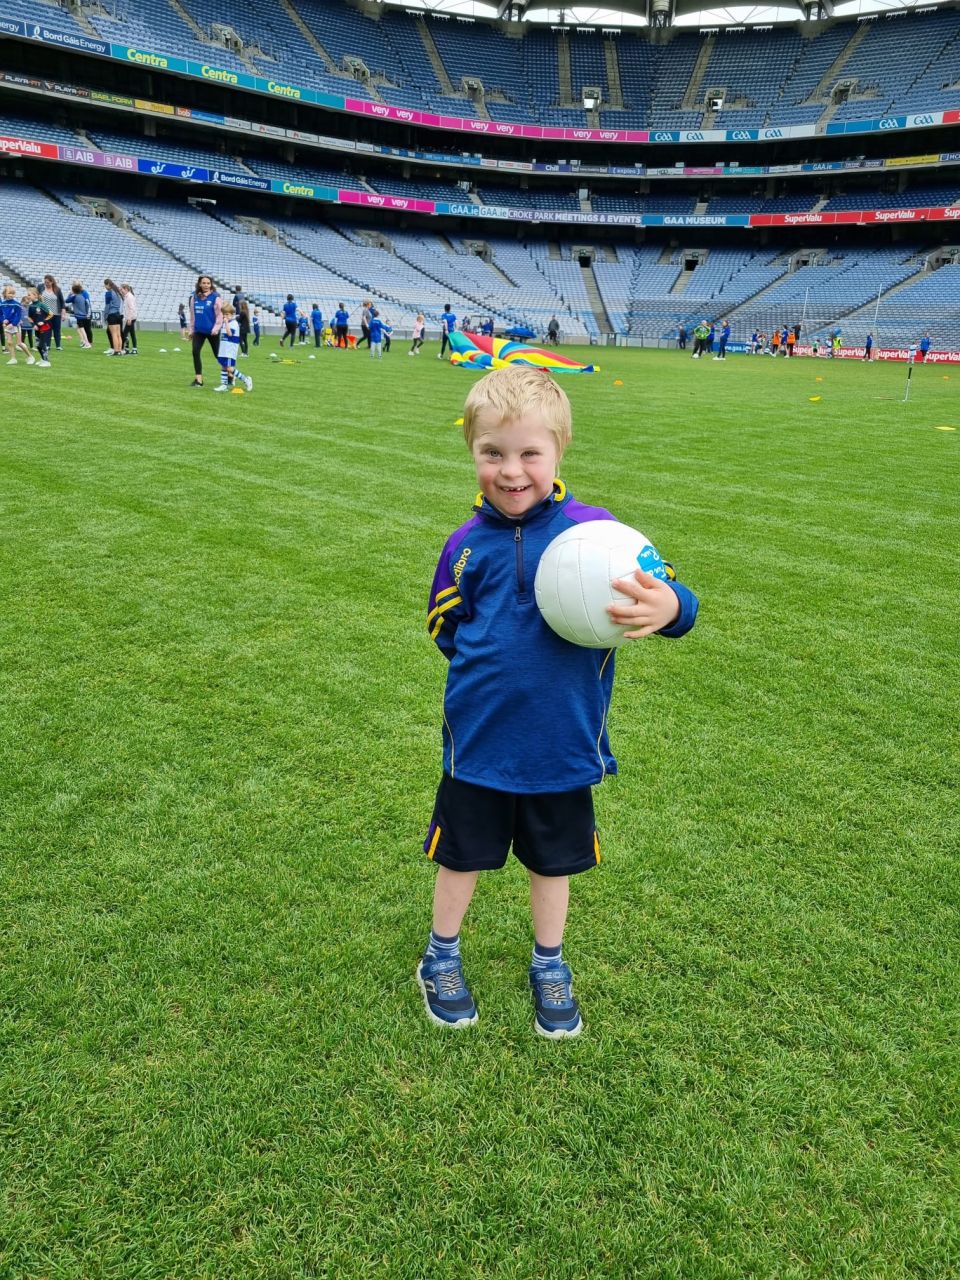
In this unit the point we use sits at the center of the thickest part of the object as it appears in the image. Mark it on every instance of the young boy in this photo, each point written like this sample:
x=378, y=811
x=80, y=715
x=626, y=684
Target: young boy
x=525, y=713
x=229, y=349
x=12, y=314
x=256, y=328
x=375, y=335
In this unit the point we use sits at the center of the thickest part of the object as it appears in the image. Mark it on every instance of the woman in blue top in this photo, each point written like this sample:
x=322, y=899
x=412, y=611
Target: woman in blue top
x=289, y=320
x=113, y=311
x=205, y=319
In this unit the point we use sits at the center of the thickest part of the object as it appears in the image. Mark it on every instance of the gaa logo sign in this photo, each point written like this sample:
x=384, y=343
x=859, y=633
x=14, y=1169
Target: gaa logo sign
x=663, y=137
x=693, y=137
x=740, y=135
x=922, y=120
x=891, y=123
x=772, y=133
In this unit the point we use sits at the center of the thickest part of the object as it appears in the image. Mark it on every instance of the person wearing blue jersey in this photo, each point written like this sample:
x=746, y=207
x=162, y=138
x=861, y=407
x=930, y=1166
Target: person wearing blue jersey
x=303, y=324
x=228, y=350
x=78, y=302
x=375, y=335
x=724, y=339
x=113, y=316
x=487, y=327
x=525, y=712
x=289, y=310
x=316, y=321
x=448, y=323
x=341, y=325
x=868, y=348
x=256, y=328
x=12, y=313
x=923, y=347
x=205, y=316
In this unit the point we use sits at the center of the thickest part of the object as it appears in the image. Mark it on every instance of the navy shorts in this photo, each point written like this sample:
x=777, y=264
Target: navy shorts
x=472, y=829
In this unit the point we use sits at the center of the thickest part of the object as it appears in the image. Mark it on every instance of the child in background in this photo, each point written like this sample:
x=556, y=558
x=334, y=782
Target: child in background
x=12, y=315
x=316, y=319
x=302, y=325
x=229, y=349
x=525, y=713
x=130, y=313
x=375, y=335
x=418, y=327
x=40, y=314
x=79, y=304
x=182, y=322
x=387, y=335
x=256, y=328
x=327, y=335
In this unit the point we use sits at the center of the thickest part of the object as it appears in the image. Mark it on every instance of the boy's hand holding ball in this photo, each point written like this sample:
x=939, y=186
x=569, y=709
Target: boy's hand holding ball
x=655, y=605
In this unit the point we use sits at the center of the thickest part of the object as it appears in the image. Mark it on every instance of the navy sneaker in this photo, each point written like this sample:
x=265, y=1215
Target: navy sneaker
x=446, y=995
x=557, y=1012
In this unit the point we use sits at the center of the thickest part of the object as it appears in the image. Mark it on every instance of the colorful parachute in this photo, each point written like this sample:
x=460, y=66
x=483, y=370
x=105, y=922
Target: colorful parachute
x=476, y=351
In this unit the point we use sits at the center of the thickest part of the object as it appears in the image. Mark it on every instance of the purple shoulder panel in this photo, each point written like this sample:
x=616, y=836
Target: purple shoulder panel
x=443, y=578
x=580, y=513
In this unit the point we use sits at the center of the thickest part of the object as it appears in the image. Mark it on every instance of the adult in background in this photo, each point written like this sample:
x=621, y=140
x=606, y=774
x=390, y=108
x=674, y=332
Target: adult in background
x=289, y=321
x=724, y=339
x=487, y=327
x=113, y=316
x=681, y=337
x=51, y=296
x=366, y=315
x=923, y=346
x=341, y=323
x=243, y=323
x=868, y=348
x=553, y=331
x=316, y=319
x=79, y=303
x=129, y=334
x=700, y=335
x=206, y=318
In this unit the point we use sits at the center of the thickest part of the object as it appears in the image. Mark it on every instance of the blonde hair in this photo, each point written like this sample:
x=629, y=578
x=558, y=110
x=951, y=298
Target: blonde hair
x=504, y=395
x=228, y=309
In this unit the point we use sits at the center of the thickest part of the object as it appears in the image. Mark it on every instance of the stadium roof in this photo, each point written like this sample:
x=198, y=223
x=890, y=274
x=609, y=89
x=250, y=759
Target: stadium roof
x=687, y=13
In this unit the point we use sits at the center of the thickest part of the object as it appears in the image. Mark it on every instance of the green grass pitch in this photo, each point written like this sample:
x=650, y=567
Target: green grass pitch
x=219, y=742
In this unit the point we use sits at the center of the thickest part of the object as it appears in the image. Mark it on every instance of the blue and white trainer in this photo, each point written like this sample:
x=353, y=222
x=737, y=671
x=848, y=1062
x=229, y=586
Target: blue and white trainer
x=557, y=1012
x=445, y=993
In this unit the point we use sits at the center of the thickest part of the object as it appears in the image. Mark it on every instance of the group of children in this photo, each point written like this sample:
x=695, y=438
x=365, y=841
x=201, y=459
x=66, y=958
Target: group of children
x=26, y=319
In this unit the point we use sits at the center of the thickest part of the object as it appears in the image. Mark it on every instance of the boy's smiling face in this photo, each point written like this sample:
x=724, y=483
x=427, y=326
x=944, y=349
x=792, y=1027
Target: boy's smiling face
x=516, y=463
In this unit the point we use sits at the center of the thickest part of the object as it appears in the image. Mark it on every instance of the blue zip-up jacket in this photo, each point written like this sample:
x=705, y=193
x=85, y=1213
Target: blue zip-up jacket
x=523, y=711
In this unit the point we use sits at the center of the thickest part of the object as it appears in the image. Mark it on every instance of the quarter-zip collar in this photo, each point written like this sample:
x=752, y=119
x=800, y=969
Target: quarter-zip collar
x=544, y=508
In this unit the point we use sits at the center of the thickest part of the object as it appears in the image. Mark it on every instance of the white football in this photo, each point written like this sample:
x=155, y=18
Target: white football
x=574, y=579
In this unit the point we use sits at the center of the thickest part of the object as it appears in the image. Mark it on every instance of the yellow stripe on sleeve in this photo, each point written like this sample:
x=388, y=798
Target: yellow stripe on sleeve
x=442, y=608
